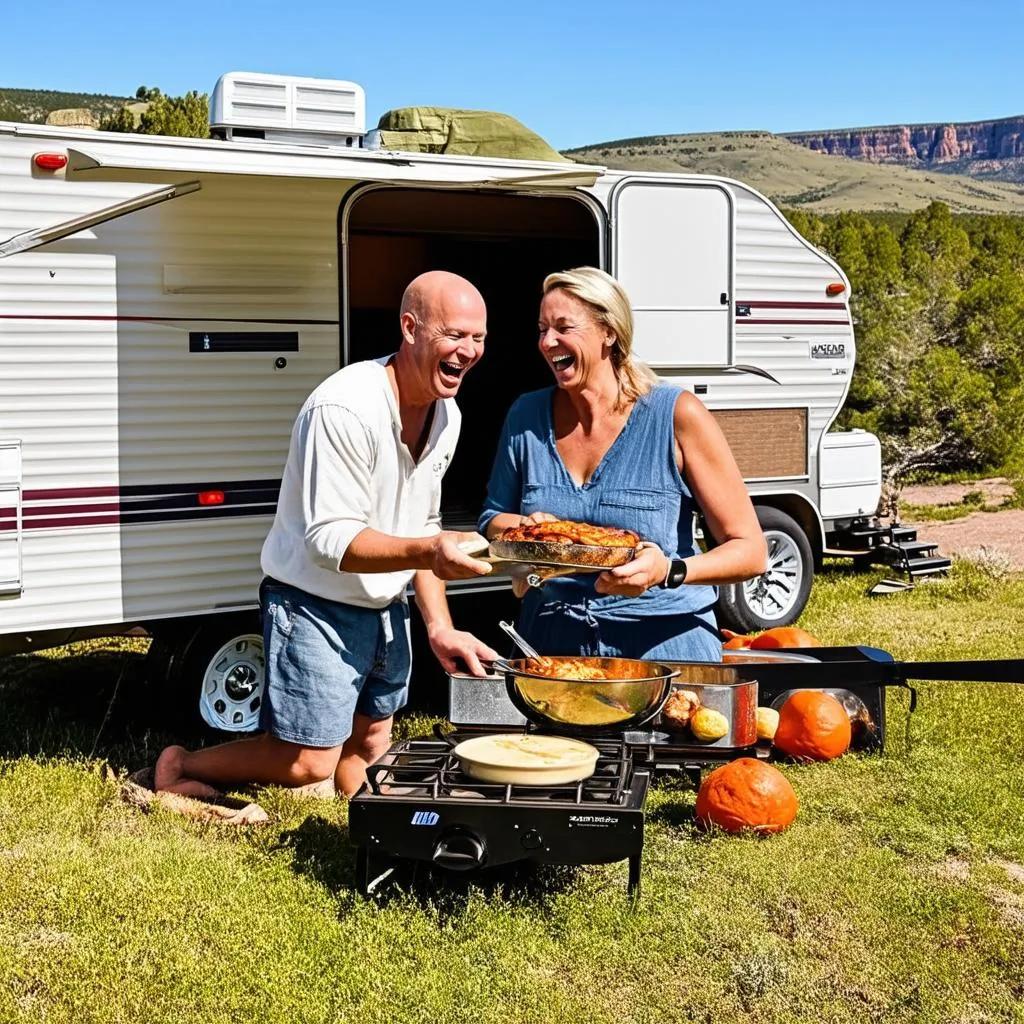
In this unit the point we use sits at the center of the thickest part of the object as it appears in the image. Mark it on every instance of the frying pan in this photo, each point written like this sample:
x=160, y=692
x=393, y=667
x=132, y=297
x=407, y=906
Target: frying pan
x=630, y=694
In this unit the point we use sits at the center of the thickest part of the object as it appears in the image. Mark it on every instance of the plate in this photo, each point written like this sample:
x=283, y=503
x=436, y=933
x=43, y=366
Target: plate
x=527, y=759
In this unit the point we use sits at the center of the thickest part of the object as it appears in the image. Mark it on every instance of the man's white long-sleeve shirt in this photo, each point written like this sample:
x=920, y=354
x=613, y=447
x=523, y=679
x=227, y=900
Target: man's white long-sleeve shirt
x=348, y=469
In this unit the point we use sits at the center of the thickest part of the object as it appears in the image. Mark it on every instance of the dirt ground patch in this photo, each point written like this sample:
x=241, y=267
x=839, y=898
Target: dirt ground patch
x=999, y=533
x=994, y=490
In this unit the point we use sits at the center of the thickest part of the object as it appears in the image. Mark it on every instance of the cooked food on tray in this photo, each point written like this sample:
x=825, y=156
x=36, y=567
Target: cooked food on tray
x=564, y=531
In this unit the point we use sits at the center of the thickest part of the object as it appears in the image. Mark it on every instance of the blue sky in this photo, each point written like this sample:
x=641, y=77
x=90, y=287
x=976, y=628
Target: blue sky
x=575, y=72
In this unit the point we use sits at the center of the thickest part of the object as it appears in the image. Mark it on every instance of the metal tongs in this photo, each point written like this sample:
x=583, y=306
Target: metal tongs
x=527, y=648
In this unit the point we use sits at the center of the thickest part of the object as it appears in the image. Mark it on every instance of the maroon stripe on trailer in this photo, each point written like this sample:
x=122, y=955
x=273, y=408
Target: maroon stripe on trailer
x=42, y=511
x=162, y=319
x=751, y=321
x=781, y=304
x=57, y=493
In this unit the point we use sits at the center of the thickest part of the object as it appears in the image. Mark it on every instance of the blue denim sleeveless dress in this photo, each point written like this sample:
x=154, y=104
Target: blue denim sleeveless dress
x=637, y=486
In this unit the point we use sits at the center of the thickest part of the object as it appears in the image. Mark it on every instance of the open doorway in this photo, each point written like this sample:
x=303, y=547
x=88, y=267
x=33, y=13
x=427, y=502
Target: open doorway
x=505, y=244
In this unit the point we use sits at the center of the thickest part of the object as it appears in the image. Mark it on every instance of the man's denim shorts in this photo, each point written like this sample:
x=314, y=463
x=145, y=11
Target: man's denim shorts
x=326, y=660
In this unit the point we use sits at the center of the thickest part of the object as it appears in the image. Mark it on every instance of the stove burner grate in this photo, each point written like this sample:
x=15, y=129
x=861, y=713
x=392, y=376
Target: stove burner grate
x=430, y=770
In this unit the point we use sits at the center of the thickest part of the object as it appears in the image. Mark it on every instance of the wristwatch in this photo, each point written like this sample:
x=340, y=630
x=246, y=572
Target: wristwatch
x=676, y=576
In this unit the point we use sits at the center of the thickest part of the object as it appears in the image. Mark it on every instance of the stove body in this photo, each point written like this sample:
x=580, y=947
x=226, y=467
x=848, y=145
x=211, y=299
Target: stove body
x=418, y=805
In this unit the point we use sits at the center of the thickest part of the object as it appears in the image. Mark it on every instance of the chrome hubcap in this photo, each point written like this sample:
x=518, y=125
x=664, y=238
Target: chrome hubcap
x=232, y=688
x=773, y=595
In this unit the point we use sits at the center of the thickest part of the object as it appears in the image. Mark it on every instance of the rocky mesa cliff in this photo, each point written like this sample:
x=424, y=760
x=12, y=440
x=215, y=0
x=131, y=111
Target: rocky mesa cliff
x=992, y=149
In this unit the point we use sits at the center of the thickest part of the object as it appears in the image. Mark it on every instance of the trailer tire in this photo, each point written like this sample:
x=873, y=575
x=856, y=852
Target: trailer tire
x=777, y=597
x=211, y=676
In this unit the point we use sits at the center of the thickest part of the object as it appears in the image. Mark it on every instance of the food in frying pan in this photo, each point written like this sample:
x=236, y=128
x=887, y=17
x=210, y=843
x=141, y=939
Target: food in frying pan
x=584, y=706
x=564, y=531
x=566, y=668
x=680, y=708
x=709, y=725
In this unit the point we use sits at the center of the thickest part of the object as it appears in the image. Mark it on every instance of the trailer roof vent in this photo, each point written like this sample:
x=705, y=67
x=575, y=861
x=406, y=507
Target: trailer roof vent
x=284, y=108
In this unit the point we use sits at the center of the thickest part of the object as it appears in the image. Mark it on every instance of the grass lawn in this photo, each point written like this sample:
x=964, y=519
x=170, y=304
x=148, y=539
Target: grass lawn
x=898, y=895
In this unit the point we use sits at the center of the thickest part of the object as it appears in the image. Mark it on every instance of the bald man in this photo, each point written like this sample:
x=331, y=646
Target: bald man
x=358, y=519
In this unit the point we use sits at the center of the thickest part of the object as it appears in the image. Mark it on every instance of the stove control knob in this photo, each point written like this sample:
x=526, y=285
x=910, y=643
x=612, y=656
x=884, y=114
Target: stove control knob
x=532, y=840
x=460, y=850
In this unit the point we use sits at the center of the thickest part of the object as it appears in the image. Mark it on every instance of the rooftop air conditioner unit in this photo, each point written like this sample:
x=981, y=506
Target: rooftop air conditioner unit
x=284, y=108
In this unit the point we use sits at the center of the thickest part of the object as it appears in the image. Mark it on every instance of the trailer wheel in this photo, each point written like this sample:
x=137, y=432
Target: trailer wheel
x=212, y=675
x=777, y=597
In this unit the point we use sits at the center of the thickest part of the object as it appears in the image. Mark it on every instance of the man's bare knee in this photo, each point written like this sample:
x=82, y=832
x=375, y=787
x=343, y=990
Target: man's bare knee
x=370, y=738
x=307, y=765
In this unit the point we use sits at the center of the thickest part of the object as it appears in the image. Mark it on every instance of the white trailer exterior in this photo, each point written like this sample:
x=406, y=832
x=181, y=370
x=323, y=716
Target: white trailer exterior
x=167, y=304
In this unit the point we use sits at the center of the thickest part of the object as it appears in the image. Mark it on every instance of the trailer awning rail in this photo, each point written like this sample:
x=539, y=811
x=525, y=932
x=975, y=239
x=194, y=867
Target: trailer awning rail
x=117, y=161
x=25, y=241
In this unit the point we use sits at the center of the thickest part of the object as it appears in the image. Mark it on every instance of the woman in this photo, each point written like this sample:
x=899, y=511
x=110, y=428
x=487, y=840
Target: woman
x=612, y=445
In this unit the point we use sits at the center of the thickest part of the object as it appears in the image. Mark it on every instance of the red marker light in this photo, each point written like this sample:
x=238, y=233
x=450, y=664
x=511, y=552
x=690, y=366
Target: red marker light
x=50, y=161
x=835, y=288
x=211, y=497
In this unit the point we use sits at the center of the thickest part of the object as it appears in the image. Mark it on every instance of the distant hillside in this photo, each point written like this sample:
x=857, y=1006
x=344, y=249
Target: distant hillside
x=32, y=105
x=981, y=149
x=793, y=175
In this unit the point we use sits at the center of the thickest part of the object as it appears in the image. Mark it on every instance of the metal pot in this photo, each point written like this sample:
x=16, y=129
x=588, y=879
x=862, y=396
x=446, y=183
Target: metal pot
x=729, y=688
x=630, y=694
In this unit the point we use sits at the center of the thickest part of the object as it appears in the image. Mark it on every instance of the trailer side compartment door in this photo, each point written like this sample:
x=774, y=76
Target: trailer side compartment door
x=10, y=519
x=672, y=250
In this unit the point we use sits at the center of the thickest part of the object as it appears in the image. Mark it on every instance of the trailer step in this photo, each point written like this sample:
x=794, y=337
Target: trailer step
x=902, y=533
x=866, y=533
x=908, y=548
x=928, y=566
x=890, y=587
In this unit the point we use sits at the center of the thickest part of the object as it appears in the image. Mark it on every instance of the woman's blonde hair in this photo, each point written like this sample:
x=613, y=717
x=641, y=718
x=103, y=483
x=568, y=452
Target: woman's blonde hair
x=609, y=305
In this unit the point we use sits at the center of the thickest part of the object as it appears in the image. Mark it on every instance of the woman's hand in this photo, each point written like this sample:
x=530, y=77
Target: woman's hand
x=538, y=517
x=648, y=569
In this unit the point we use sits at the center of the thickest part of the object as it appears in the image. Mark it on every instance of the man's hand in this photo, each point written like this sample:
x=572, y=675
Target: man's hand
x=450, y=562
x=449, y=643
x=648, y=569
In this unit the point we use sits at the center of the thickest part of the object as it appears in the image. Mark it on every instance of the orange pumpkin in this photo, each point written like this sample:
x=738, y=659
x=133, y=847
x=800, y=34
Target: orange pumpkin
x=747, y=793
x=813, y=726
x=737, y=643
x=783, y=636
x=734, y=641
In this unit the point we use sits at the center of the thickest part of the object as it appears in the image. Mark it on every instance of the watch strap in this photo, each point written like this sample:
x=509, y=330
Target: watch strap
x=676, y=573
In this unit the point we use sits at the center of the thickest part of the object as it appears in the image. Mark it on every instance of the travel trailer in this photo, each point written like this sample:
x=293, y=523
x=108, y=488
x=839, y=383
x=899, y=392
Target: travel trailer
x=166, y=305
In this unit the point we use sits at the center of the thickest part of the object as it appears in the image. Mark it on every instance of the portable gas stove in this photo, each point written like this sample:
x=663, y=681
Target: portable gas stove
x=418, y=805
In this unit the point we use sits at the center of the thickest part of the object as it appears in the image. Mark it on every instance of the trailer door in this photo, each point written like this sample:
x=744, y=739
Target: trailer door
x=672, y=249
